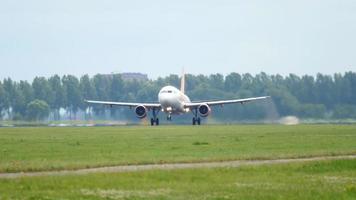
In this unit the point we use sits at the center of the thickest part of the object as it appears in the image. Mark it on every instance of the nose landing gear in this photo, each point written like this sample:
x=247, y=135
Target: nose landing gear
x=169, y=117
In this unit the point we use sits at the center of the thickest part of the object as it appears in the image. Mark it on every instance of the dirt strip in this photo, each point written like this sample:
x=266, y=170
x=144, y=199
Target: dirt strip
x=133, y=168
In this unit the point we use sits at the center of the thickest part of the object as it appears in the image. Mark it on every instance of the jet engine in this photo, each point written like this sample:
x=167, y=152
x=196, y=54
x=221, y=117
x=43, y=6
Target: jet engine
x=141, y=111
x=204, y=110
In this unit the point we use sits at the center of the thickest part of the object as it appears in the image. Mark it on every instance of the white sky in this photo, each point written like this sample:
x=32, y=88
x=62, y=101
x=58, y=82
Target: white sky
x=158, y=37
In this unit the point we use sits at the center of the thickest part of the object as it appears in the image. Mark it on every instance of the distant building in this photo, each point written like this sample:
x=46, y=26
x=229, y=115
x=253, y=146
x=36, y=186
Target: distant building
x=129, y=76
x=134, y=75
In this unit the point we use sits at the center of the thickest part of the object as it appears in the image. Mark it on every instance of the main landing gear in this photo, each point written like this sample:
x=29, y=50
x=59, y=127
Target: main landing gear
x=154, y=119
x=196, y=119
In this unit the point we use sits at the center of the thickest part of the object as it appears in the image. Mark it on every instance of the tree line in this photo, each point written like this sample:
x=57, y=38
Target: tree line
x=320, y=96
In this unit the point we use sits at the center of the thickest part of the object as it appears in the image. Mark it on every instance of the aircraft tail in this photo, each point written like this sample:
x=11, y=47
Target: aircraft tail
x=182, y=83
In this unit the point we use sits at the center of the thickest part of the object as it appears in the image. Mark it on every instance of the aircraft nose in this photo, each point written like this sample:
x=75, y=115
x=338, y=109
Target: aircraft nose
x=165, y=99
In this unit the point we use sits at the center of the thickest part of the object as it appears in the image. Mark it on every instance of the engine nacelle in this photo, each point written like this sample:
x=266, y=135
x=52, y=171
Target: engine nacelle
x=141, y=111
x=204, y=110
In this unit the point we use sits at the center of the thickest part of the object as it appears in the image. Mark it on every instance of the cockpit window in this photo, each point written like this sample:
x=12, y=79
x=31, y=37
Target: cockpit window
x=167, y=91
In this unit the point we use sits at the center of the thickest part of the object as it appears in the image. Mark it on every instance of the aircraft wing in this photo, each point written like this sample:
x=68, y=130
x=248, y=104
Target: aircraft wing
x=127, y=104
x=222, y=102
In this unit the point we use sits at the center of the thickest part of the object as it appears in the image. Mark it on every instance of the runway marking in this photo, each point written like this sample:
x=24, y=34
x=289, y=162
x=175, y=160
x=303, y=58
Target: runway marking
x=172, y=166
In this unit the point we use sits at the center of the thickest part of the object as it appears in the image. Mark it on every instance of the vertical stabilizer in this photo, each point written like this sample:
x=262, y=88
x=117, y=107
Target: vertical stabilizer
x=182, y=82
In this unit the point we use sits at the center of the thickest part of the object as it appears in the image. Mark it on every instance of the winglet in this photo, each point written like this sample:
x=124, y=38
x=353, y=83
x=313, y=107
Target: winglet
x=182, y=82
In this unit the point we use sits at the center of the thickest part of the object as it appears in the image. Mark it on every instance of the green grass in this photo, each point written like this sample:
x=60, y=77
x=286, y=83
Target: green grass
x=41, y=148
x=310, y=180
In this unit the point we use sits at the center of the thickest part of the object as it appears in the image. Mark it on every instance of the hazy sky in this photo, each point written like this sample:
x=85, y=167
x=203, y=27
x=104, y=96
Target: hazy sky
x=159, y=37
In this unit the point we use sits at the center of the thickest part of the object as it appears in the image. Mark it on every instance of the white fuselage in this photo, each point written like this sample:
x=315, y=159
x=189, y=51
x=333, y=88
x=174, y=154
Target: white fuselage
x=172, y=100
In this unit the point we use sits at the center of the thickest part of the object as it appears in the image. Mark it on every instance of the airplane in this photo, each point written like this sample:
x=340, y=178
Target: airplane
x=175, y=102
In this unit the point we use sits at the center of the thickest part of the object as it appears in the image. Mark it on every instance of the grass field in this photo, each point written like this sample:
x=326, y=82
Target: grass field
x=36, y=149
x=311, y=180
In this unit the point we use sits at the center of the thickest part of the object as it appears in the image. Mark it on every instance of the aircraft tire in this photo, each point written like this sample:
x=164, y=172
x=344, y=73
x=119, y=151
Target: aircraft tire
x=157, y=122
x=193, y=121
x=198, y=121
x=152, y=122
